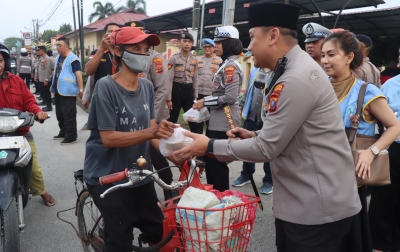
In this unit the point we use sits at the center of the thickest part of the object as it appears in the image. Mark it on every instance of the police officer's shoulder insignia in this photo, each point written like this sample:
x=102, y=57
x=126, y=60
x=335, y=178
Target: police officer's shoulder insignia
x=193, y=62
x=158, y=65
x=169, y=66
x=229, y=71
x=274, y=98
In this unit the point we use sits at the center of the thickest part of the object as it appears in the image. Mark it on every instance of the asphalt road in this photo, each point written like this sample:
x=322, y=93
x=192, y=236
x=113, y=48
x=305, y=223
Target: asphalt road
x=46, y=233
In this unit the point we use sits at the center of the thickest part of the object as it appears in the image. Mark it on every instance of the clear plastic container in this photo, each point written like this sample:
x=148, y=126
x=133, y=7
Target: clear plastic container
x=175, y=142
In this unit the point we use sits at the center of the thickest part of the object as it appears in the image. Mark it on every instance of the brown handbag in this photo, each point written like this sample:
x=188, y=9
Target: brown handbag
x=380, y=167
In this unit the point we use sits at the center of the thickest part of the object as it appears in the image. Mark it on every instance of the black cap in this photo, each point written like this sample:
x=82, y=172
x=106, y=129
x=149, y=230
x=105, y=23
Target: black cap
x=41, y=47
x=137, y=24
x=365, y=39
x=187, y=35
x=49, y=53
x=273, y=14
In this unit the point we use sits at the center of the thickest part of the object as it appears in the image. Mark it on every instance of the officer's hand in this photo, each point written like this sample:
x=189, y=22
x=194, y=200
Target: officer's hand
x=198, y=105
x=363, y=167
x=85, y=104
x=164, y=129
x=169, y=105
x=35, y=79
x=105, y=41
x=31, y=75
x=243, y=133
x=45, y=83
x=197, y=148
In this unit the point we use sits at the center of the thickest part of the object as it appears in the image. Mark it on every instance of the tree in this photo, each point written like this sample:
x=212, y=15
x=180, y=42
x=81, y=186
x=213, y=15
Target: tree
x=103, y=11
x=64, y=28
x=10, y=42
x=139, y=5
x=47, y=34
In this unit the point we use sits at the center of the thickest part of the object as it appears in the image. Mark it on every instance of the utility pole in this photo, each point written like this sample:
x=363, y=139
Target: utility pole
x=34, y=30
x=37, y=30
x=202, y=23
x=228, y=12
x=196, y=19
x=75, y=31
x=82, y=39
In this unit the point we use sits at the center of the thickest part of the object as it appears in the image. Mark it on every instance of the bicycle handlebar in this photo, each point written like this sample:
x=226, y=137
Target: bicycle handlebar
x=137, y=175
x=115, y=177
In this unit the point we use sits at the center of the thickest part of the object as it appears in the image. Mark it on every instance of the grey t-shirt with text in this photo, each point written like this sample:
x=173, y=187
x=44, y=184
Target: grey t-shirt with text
x=117, y=109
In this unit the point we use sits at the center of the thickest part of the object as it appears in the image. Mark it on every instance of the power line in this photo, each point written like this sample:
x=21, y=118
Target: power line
x=52, y=12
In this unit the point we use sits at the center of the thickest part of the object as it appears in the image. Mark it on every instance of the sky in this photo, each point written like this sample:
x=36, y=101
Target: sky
x=19, y=19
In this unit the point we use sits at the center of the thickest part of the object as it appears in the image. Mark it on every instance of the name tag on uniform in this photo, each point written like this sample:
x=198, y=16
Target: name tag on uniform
x=103, y=60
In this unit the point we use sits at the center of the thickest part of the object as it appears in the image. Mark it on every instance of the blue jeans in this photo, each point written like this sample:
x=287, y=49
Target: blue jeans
x=252, y=125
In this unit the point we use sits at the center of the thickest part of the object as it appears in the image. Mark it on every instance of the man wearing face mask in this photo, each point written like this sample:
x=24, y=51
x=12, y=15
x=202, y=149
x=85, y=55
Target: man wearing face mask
x=182, y=68
x=157, y=73
x=122, y=126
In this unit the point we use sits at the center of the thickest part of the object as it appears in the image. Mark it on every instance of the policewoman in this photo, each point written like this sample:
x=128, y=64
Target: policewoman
x=227, y=82
x=315, y=192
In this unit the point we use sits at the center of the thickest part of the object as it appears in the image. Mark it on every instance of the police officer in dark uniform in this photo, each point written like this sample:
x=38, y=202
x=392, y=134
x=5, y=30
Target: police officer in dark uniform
x=183, y=74
x=227, y=84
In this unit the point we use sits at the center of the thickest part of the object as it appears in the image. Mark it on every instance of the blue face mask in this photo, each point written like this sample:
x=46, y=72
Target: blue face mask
x=137, y=63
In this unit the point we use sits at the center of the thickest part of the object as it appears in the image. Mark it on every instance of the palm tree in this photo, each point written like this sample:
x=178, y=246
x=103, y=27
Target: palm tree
x=103, y=11
x=139, y=5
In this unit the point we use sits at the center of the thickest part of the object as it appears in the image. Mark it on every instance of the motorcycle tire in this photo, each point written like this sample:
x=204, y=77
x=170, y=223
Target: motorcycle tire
x=9, y=240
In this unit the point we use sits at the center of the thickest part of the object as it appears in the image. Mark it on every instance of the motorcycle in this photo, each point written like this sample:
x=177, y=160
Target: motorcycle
x=15, y=176
x=13, y=64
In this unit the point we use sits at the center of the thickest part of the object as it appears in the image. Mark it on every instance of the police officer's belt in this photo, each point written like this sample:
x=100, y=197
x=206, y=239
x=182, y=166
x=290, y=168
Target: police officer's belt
x=183, y=85
x=259, y=85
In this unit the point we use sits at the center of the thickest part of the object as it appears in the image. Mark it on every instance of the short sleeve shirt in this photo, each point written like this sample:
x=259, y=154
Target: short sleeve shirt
x=116, y=109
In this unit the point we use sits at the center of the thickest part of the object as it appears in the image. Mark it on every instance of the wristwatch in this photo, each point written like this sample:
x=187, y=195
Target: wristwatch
x=80, y=90
x=374, y=150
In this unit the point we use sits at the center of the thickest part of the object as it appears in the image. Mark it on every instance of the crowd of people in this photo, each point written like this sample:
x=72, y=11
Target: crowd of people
x=295, y=123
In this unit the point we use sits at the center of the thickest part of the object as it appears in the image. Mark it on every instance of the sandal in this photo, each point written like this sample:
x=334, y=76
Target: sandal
x=50, y=202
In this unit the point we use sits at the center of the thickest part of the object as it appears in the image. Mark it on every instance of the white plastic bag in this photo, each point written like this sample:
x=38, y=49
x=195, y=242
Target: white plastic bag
x=175, y=142
x=194, y=115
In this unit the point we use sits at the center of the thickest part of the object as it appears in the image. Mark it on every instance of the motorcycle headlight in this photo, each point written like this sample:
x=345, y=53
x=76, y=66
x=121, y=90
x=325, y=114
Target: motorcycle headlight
x=9, y=123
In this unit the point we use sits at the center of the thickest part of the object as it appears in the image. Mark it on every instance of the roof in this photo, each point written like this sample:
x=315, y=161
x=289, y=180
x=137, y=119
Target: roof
x=213, y=12
x=120, y=18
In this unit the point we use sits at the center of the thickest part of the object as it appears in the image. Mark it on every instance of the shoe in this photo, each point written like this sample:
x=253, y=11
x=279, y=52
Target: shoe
x=40, y=99
x=42, y=104
x=267, y=188
x=58, y=137
x=67, y=141
x=46, y=109
x=240, y=181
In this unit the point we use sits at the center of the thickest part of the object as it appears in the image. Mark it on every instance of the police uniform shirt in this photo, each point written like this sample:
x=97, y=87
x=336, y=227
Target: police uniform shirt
x=52, y=63
x=368, y=73
x=43, y=68
x=157, y=73
x=183, y=70
x=105, y=67
x=207, y=67
x=304, y=139
x=258, y=97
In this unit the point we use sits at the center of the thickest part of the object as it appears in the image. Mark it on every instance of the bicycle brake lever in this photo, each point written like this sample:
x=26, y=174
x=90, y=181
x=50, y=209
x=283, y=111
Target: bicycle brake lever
x=114, y=188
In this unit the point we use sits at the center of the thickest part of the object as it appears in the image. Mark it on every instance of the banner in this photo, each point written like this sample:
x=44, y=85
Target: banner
x=27, y=38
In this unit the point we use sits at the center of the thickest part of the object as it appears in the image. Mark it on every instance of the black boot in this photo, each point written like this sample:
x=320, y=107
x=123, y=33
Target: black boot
x=42, y=104
x=47, y=108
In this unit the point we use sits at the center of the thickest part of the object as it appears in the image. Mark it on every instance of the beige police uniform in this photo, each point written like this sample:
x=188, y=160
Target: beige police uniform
x=368, y=73
x=157, y=73
x=304, y=139
x=207, y=67
x=43, y=69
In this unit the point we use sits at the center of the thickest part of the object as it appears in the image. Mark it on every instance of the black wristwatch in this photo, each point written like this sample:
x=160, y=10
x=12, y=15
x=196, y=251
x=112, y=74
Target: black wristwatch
x=210, y=146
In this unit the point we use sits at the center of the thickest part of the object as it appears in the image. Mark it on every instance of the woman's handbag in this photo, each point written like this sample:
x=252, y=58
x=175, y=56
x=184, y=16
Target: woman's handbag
x=380, y=168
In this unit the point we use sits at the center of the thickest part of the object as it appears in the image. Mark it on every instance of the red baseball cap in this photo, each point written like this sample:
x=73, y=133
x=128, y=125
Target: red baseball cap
x=132, y=35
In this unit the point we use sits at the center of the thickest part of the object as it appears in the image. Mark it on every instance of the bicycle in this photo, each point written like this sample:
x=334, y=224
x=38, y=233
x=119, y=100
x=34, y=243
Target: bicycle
x=91, y=226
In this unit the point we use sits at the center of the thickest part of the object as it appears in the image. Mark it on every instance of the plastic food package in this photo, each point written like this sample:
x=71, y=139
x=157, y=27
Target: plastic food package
x=175, y=142
x=194, y=115
x=192, y=221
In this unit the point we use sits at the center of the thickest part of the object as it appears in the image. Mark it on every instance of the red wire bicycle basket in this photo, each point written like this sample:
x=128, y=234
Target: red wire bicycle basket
x=213, y=229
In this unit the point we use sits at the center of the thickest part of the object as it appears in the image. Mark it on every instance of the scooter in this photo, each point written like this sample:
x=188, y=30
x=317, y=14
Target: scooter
x=15, y=176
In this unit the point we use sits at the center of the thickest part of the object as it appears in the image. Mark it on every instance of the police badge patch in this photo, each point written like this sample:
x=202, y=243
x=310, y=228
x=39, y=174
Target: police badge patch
x=274, y=98
x=229, y=71
x=158, y=65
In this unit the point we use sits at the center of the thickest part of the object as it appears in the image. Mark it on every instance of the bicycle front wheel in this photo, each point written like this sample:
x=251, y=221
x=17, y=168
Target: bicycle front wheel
x=90, y=224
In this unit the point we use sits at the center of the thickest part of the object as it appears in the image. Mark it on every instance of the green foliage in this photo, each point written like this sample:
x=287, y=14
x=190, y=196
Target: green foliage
x=139, y=5
x=10, y=42
x=102, y=11
x=64, y=28
x=47, y=34
x=386, y=49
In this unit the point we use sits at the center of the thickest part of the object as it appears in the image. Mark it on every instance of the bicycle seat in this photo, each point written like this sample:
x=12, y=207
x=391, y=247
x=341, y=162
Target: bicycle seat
x=78, y=175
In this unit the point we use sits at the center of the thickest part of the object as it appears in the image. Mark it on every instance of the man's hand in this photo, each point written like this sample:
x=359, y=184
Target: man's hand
x=45, y=83
x=243, y=133
x=35, y=79
x=198, y=105
x=105, y=42
x=41, y=116
x=169, y=105
x=85, y=104
x=197, y=148
x=164, y=129
x=80, y=95
x=32, y=76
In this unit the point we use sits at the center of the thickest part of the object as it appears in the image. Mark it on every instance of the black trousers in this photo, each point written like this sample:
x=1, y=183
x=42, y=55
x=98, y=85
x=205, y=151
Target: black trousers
x=125, y=209
x=198, y=127
x=39, y=88
x=46, y=95
x=26, y=78
x=217, y=172
x=66, y=116
x=182, y=97
x=291, y=237
x=384, y=209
